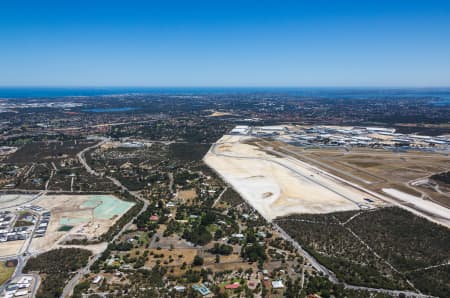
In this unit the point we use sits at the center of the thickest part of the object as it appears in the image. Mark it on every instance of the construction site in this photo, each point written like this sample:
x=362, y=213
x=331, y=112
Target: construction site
x=78, y=217
x=38, y=223
x=278, y=186
x=279, y=177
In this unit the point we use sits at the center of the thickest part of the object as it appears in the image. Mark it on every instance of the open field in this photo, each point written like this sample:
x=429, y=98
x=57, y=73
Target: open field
x=10, y=201
x=278, y=186
x=376, y=169
x=397, y=177
x=174, y=257
x=10, y=248
x=186, y=195
x=5, y=272
x=90, y=216
x=418, y=203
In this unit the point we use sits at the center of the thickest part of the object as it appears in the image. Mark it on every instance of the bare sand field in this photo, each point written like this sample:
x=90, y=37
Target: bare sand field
x=427, y=207
x=86, y=214
x=94, y=248
x=187, y=195
x=11, y=201
x=277, y=185
x=10, y=248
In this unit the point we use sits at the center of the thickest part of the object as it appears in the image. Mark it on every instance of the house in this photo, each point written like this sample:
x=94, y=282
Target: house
x=154, y=217
x=233, y=286
x=202, y=289
x=97, y=279
x=277, y=284
x=180, y=289
x=239, y=236
x=20, y=293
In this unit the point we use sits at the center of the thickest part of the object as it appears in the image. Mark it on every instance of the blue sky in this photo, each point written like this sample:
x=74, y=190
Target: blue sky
x=225, y=43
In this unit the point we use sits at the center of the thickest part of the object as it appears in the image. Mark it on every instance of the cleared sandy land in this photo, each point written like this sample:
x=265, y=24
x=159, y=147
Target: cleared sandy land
x=75, y=211
x=10, y=248
x=187, y=255
x=426, y=206
x=187, y=196
x=11, y=201
x=219, y=114
x=278, y=186
x=95, y=248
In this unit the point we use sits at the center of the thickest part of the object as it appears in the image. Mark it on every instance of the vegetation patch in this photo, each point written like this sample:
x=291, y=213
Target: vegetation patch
x=434, y=281
x=5, y=272
x=56, y=267
x=65, y=228
x=407, y=241
x=442, y=177
x=350, y=247
x=187, y=151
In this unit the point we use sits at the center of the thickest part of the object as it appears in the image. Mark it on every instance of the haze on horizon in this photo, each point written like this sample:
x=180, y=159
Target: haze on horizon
x=225, y=43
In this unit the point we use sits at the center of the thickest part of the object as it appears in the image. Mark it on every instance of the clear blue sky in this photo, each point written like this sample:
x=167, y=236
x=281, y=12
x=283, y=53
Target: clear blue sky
x=225, y=43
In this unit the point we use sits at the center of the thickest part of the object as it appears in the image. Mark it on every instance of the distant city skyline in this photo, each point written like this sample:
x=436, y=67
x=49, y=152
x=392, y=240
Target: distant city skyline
x=225, y=43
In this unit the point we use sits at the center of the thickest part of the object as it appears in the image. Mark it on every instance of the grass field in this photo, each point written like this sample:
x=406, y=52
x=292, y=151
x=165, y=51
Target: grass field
x=5, y=272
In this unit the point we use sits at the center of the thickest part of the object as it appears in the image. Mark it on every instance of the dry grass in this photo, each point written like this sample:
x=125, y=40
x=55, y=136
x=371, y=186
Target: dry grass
x=187, y=255
x=5, y=272
x=10, y=248
x=380, y=168
x=187, y=196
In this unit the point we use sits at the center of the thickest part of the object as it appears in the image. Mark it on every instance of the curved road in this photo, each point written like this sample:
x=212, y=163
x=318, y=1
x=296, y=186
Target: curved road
x=68, y=289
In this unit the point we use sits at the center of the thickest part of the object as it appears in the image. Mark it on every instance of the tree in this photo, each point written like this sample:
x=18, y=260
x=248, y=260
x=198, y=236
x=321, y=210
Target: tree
x=198, y=261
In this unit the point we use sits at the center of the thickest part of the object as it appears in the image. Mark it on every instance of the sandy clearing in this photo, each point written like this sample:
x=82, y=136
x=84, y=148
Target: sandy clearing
x=187, y=255
x=94, y=248
x=219, y=114
x=186, y=195
x=72, y=208
x=278, y=186
x=424, y=205
x=10, y=248
x=11, y=201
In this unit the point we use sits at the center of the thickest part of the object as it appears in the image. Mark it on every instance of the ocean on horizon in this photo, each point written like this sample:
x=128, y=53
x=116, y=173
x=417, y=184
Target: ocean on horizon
x=319, y=92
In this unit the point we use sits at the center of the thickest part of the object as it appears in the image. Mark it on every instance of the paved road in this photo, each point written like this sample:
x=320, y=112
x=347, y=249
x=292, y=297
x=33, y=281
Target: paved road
x=82, y=159
x=23, y=256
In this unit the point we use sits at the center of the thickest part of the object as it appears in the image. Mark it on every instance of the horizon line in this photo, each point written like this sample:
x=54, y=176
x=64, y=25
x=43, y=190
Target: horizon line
x=226, y=86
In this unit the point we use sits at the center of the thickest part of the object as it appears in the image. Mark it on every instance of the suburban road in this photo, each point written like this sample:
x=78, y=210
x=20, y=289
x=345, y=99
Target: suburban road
x=22, y=257
x=68, y=289
x=24, y=254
